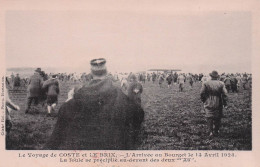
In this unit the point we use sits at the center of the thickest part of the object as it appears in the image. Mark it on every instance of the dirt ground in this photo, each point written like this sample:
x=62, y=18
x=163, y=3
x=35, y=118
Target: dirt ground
x=173, y=121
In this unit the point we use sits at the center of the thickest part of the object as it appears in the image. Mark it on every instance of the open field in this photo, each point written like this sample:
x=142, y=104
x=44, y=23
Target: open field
x=173, y=121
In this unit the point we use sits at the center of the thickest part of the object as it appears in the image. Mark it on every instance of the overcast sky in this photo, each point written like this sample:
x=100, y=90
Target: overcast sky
x=129, y=40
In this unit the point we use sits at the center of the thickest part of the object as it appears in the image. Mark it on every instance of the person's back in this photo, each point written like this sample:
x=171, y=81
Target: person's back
x=212, y=96
x=35, y=84
x=169, y=78
x=98, y=117
x=233, y=80
x=181, y=79
x=51, y=86
x=17, y=81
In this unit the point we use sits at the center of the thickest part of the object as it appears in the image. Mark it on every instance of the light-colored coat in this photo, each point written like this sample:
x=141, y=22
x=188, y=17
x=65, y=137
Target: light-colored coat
x=214, y=96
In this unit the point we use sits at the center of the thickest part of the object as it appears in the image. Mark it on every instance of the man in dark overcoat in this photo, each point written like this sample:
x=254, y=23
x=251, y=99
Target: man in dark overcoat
x=98, y=117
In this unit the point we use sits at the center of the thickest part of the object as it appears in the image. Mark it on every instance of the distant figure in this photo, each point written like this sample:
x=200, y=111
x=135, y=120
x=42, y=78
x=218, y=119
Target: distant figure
x=244, y=81
x=180, y=81
x=175, y=78
x=98, y=117
x=12, y=78
x=238, y=77
x=214, y=96
x=9, y=106
x=153, y=77
x=34, y=89
x=234, y=82
x=17, y=81
x=148, y=77
x=200, y=77
x=161, y=79
x=169, y=80
x=124, y=84
x=227, y=82
x=135, y=89
x=52, y=90
x=250, y=80
x=189, y=79
x=222, y=77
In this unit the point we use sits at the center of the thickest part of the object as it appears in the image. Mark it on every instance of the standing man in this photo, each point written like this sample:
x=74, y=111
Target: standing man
x=234, y=82
x=189, y=79
x=153, y=77
x=244, y=81
x=98, y=117
x=169, y=79
x=238, y=77
x=214, y=96
x=180, y=81
x=175, y=78
x=148, y=77
x=34, y=89
x=17, y=81
x=161, y=79
x=52, y=89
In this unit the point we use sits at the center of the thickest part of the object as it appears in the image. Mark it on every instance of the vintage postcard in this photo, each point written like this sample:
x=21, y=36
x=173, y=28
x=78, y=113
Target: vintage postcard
x=129, y=83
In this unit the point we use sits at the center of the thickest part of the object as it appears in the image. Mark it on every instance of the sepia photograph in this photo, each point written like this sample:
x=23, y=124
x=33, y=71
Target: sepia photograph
x=129, y=83
x=120, y=80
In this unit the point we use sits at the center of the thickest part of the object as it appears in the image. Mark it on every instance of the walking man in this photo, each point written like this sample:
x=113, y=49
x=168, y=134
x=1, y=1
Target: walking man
x=214, y=96
x=52, y=89
x=180, y=81
x=34, y=89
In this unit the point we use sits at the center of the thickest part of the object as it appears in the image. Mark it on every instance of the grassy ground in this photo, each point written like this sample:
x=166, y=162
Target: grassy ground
x=173, y=121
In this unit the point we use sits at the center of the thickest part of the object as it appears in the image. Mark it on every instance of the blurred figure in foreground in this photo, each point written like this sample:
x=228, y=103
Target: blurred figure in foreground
x=98, y=117
x=8, y=108
x=214, y=96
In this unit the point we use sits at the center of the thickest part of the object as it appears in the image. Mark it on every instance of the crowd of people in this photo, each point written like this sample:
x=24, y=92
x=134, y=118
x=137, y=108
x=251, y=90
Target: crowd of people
x=99, y=114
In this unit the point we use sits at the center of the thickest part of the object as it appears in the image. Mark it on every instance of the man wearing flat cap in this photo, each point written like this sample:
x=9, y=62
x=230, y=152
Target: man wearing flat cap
x=99, y=116
x=214, y=96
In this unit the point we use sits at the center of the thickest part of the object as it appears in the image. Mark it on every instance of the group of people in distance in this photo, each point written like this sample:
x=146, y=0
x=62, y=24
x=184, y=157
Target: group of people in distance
x=101, y=115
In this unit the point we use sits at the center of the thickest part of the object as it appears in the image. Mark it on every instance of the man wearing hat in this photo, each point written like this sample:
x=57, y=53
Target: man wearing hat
x=214, y=96
x=34, y=89
x=98, y=117
x=51, y=87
